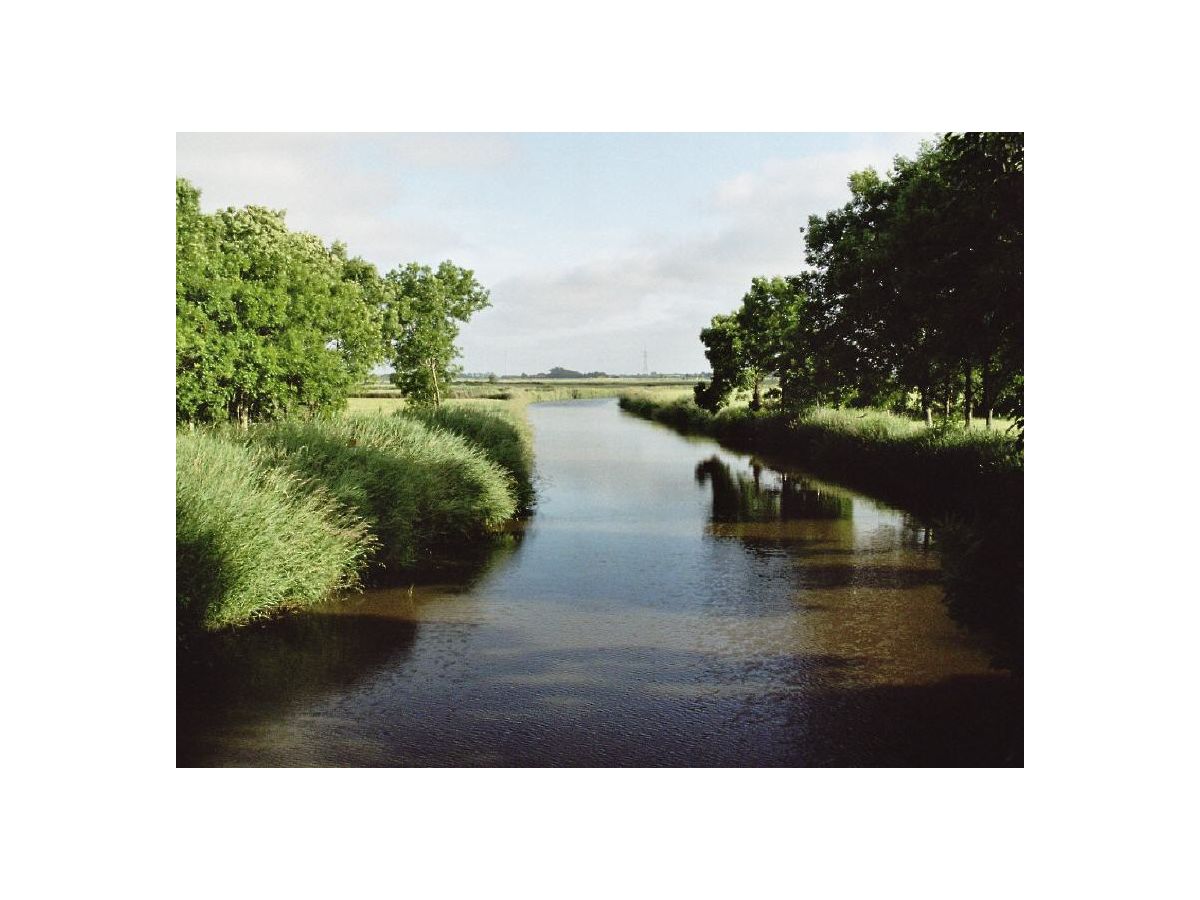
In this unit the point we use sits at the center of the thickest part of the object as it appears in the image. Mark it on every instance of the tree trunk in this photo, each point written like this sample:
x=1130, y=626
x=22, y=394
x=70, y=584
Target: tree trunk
x=987, y=391
x=756, y=400
x=241, y=415
x=437, y=391
x=968, y=396
x=925, y=407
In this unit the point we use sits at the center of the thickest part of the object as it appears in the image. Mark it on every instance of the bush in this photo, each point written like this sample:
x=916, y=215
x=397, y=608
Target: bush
x=251, y=539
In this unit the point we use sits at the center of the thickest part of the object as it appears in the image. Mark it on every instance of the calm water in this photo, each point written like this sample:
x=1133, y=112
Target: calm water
x=671, y=603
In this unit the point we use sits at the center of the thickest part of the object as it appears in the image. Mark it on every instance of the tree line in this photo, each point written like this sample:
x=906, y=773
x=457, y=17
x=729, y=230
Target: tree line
x=913, y=300
x=271, y=322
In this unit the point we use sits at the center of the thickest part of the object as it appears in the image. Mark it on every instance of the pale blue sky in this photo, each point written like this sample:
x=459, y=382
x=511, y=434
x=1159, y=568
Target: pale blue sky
x=594, y=246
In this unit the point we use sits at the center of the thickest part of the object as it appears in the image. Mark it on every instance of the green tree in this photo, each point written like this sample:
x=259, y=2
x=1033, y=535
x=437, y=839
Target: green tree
x=917, y=281
x=722, y=341
x=750, y=345
x=424, y=310
x=267, y=321
x=762, y=321
x=852, y=291
x=985, y=177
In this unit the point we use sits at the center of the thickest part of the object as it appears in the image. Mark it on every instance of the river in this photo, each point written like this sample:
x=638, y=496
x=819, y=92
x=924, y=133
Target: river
x=671, y=603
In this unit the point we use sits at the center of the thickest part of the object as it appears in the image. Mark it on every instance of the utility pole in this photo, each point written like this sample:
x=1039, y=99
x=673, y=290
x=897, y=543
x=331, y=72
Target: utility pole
x=645, y=366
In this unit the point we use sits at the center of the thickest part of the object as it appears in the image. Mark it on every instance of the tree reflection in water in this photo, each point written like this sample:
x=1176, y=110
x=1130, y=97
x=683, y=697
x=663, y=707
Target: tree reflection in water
x=767, y=496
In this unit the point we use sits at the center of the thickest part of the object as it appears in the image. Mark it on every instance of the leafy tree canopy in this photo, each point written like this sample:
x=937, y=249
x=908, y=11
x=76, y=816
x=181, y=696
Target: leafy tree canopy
x=424, y=309
x=268, y=321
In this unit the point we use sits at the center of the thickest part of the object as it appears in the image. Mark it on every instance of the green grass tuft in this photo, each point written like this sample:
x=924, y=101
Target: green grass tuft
x=418, y=487
x=251, y=539
x=501, y=434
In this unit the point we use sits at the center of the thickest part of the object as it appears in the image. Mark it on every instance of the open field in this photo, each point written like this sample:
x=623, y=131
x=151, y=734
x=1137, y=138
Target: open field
x=520, y=391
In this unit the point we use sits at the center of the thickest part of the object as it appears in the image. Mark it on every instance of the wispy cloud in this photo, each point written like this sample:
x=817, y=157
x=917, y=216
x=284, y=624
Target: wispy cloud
x=658, y=292
x=352, y=187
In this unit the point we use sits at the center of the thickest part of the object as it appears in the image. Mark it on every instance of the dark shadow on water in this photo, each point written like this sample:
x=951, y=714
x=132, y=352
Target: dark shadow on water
x=246, y=675
x=620, y=706
x=462, y=563
x=595, y=706
x=966, y=720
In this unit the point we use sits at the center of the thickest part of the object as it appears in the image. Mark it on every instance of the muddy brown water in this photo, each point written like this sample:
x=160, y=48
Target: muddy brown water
x=670, y=603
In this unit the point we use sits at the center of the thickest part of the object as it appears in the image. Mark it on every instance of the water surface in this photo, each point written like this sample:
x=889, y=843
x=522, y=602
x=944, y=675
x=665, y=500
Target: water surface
x=670, y=603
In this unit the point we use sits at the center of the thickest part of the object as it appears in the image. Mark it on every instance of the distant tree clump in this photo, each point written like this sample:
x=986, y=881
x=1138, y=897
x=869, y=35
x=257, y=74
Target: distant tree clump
x=560, y=372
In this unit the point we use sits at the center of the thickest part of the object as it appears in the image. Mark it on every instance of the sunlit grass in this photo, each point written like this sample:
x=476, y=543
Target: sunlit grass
x=251, y=539
x=497, y=429
x=374, y=405
x=290, y=513
x=931, y=467
x=416, y=486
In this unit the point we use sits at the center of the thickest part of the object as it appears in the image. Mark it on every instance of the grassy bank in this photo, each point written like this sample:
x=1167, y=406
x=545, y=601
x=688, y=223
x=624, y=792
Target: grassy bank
x=970, y=483
x=289, y=513
x=929, y=470
x=418, y=487
x=500, y=432
x=251, y=539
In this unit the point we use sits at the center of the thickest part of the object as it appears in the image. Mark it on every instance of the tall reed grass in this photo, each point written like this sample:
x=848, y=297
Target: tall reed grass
x=503, y=435
x=417, y=486
x=290, y=513
x=251, y=539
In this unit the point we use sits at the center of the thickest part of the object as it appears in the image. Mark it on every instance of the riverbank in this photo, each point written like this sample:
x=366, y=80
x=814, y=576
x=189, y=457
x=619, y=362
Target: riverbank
x=676, y=604
x=288, y=514
x=969, y=484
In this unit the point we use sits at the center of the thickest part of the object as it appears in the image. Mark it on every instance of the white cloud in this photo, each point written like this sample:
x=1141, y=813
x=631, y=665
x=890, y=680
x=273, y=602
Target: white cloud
x=658, y=293
x=341, y=186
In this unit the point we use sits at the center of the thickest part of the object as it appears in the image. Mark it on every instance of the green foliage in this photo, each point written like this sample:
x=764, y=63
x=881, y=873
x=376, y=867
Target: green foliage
x=916, y=290
x=417, y=487
x=423, y=312
x=763, y=338
x=917, y=283
x=289, y=513
x=251, y=539
x=723, y=346
x=268, y=321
